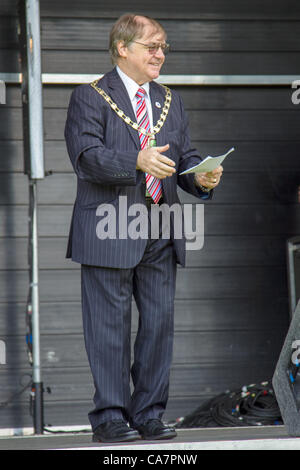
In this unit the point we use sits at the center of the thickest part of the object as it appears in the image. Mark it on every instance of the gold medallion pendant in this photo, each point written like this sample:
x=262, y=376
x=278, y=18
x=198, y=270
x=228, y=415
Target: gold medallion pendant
x=151, y=141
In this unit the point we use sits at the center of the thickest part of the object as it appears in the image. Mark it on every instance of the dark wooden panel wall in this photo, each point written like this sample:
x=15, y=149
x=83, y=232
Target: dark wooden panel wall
x=232, y=299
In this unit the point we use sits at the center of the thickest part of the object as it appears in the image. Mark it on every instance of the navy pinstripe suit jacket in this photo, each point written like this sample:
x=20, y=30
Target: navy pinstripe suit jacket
x=103, y=150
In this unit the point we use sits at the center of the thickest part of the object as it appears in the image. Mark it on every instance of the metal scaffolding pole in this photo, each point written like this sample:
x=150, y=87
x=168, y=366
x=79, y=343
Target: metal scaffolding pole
x=29, y=40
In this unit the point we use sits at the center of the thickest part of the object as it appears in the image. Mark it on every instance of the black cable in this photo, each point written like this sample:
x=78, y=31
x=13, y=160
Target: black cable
x=252, y=405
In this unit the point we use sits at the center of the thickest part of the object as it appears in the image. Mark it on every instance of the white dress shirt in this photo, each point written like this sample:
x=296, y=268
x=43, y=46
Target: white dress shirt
x=132, y=87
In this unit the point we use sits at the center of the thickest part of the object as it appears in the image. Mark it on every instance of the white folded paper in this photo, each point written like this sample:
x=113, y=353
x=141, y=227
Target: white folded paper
x=208, y=164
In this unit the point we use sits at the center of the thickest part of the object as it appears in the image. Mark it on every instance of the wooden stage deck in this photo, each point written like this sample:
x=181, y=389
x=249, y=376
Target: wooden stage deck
x=245, y=438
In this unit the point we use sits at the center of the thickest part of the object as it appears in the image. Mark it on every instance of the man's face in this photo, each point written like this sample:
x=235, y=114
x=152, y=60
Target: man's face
x=138, y=63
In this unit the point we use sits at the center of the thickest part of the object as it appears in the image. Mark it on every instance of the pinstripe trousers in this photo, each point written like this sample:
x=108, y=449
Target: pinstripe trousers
x=106, y=307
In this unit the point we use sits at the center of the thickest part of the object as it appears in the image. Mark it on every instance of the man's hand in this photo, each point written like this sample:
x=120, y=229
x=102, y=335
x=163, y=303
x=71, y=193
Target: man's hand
x=151, y=160
x=211, y=179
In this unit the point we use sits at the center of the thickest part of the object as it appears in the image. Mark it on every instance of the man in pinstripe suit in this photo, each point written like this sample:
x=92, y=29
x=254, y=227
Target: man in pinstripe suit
x=112, y=162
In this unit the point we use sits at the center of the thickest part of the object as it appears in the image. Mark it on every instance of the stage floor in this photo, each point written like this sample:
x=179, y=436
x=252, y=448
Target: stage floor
x=245, y=438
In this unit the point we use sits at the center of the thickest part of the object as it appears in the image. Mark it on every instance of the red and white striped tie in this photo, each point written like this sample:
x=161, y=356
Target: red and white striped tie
x=154, y=186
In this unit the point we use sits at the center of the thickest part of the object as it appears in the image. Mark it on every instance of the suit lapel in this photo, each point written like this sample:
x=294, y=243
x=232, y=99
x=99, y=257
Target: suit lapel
x=161, y=137
x=119, y=95
x=158, y=98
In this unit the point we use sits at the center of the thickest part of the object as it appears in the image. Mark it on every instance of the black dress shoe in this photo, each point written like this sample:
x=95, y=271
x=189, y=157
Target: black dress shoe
x=155, y=429
x=114, y=431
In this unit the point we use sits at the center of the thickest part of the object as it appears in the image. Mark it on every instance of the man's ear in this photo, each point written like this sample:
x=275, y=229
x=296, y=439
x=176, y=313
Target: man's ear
x=122, y=49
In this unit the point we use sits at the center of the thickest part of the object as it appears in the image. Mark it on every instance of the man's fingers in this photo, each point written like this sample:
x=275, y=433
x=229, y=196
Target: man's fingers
x=166, y=160
x=216, y=171
x=211, y=178
x=163, y=148
x=162, y=170
x=157, y=164
x=163, y=158
x=165, y=169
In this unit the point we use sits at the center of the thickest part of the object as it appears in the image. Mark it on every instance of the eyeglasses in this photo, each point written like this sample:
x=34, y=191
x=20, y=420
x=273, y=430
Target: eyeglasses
x=153, y=48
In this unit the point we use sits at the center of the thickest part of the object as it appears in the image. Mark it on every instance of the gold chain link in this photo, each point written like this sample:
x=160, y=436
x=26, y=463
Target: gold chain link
x=127, y=119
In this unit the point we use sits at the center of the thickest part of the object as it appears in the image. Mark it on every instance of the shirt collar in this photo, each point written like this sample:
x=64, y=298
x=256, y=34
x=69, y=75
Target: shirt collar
x=130, y=85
